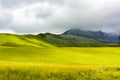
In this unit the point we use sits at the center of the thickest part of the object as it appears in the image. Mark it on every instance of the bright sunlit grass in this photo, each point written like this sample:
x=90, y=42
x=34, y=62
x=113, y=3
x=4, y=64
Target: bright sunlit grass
x=62, y=56
x=78, y=63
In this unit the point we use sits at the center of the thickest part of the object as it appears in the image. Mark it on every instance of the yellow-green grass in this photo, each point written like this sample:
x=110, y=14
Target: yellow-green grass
x=21, y=41
x=78, y=63
x=62, y=56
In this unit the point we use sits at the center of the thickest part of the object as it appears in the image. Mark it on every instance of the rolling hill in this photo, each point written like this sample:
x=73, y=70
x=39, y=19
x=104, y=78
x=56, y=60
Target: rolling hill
x=21, y=40
x=68, y=39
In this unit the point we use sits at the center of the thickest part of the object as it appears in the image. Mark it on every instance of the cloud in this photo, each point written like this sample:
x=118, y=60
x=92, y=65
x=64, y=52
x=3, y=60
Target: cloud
x=34, y=16
x=6, y=31
x=5, y=18
x=14, y=3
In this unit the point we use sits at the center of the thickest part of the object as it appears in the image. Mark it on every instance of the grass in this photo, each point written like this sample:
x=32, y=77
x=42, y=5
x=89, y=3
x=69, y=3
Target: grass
x=66, y=56
x=24, y=74
x=31, y=63
x=22, y=41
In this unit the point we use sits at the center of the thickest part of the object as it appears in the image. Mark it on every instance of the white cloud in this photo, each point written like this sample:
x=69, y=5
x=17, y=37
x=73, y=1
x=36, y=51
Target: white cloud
x=6, y=31
x=28, y=16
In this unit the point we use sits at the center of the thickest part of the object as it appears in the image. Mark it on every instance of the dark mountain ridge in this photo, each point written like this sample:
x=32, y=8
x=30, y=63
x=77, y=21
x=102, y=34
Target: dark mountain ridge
x=97, y=35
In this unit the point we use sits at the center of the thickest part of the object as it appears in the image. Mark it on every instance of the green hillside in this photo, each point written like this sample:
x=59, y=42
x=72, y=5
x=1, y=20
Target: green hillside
x=49, y=40
x=21, y=40
x=68, y=40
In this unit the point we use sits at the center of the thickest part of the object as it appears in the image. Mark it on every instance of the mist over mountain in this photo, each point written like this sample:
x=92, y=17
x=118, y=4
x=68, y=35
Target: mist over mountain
x=97, y=35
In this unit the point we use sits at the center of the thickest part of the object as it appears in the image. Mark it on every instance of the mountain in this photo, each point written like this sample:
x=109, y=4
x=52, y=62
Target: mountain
x=68, y=39
x=97, y=35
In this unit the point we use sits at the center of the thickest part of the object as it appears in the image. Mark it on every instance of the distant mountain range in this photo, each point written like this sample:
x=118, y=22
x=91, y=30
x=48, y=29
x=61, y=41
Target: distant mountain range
x=70, y=38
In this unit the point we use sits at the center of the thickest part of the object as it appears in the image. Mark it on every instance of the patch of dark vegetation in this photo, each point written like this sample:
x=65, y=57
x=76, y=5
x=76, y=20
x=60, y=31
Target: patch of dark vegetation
x=11, y=44
x=118, y=69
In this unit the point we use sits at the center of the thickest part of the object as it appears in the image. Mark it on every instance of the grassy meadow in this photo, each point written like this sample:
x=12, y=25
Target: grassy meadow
x=63, y=63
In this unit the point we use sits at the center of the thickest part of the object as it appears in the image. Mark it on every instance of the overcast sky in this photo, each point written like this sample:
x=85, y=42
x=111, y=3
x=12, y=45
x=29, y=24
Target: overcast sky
x=56, y=16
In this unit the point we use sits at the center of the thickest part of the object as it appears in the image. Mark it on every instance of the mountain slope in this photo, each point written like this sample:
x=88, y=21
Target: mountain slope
x=21, y=40
x=97, y=35
x=68, y=40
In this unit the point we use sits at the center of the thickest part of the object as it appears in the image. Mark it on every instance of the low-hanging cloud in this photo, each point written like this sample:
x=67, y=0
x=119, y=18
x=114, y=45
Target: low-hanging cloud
x=35, y=16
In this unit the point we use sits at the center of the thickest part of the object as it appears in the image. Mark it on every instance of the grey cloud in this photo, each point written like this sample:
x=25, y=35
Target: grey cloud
x=14, y=3
x=91, y=16
x=5, y=22
x=59, y=15
x=5, y=18
x=44, y=12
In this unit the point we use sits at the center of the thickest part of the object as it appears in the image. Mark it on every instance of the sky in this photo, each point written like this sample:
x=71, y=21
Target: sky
x=57, y=16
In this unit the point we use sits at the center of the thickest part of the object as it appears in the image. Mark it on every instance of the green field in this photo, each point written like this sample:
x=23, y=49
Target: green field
x=65, y=63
